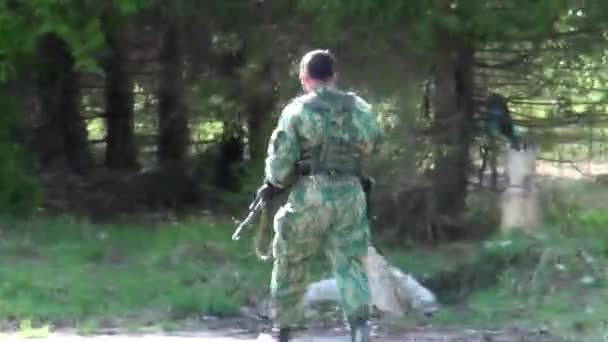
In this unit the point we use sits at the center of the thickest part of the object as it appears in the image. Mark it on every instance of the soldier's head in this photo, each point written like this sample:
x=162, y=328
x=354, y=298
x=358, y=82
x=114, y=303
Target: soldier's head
x=317, y=69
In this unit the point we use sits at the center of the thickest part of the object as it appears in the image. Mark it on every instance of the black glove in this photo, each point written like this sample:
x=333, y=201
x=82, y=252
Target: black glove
x=367, y=183
x=266, y=193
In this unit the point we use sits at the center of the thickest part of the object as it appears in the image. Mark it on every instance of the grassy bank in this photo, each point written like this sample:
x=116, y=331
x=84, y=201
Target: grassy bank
x=73, y=273
x=64, y=272
x=554, y=280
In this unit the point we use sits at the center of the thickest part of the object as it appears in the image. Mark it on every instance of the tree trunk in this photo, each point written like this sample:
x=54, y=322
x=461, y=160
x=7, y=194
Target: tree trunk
x=494, y=150
x=63, y=131
x=121, y=152
x=259, y=120
x=454, y=109
x=231, y=153
x=173, y=131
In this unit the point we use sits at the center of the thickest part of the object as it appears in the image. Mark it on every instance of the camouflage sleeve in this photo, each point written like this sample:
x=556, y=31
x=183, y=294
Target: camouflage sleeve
x=368, y=126
x=283, y=148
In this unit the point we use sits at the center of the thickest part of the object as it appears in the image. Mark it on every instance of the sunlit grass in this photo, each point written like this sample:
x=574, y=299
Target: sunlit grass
x=26, y=330
x=66, y=272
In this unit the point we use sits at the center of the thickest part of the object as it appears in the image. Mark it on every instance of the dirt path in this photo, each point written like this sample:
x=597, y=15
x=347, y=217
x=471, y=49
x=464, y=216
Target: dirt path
x=416, y=335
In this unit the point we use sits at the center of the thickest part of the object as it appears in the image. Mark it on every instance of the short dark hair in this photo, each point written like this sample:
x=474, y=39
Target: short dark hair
x=318, y=64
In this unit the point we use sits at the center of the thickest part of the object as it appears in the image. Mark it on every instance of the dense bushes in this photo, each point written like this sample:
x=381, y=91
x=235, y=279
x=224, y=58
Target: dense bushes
x=19, y=191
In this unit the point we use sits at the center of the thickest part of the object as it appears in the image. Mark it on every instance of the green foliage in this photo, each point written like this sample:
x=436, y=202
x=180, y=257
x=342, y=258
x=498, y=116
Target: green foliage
x=19, y=193
x=77, y=22
x=422, y=21
x=403, y=152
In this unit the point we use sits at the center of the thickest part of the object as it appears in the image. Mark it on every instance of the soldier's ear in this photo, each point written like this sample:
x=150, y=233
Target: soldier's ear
x=303, y=81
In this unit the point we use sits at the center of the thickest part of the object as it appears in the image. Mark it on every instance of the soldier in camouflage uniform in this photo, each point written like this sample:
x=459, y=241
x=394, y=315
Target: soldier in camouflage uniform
x=321, y=139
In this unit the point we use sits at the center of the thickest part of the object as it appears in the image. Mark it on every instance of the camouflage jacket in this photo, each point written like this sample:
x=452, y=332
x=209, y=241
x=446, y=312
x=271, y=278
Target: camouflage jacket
x=300, y=128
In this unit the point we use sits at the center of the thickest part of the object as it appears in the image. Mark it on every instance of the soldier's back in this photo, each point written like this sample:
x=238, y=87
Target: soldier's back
x=341, y=121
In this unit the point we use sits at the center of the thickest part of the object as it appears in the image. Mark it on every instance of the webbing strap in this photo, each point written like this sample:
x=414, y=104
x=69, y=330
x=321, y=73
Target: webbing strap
x=257, y=242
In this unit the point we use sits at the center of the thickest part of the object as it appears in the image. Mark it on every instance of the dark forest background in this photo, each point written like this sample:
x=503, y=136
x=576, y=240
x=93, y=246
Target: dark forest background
x=138, y=107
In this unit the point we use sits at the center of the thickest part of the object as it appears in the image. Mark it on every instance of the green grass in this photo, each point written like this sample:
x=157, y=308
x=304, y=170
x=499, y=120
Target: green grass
x=533, y=282
x=68, y=272
x=524, y=281
x=26, y=330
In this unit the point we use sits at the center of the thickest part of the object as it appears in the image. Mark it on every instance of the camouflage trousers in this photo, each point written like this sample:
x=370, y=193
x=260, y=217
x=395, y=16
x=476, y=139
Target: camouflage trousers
x=335, y=222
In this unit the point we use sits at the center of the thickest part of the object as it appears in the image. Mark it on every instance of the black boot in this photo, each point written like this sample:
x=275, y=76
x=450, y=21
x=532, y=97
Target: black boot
x=284, y=335
x=360, y=330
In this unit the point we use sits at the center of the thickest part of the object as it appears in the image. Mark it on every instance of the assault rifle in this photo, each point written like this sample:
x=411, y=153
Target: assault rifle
x=259, y=204
x=254, y=208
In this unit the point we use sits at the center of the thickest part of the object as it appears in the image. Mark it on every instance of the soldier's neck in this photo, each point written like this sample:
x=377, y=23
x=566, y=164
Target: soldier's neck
x=321, y=87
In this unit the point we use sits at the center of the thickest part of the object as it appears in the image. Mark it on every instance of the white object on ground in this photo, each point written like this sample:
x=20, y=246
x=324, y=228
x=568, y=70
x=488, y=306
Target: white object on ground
x=392, y=290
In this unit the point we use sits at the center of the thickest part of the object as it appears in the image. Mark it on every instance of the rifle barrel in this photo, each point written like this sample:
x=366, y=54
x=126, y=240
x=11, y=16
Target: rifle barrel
x=249, y=217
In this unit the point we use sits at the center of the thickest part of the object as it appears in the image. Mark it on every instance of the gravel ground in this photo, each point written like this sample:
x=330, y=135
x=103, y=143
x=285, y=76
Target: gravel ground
x=416, y=335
